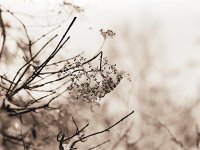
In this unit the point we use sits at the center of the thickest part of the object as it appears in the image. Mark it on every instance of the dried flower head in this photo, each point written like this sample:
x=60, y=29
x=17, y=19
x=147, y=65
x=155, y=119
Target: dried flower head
x=108, y=33
x=90, y=82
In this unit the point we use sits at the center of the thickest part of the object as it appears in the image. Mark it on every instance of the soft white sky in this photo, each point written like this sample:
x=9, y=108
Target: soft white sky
x=179, y=22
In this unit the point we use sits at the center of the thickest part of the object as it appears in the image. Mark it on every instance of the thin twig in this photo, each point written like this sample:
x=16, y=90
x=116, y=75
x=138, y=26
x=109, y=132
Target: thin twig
x=99, y=145
x=100, y=132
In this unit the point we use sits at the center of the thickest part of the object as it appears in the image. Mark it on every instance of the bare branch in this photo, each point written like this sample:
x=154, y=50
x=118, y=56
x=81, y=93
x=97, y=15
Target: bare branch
x=100, y=132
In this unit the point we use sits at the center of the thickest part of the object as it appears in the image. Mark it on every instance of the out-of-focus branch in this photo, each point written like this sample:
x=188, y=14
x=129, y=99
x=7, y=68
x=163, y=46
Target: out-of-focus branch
x=29, y=43
x=122, y=137
x=164, y=126
x=2, y=25
x=198, y=137
x=99, y=145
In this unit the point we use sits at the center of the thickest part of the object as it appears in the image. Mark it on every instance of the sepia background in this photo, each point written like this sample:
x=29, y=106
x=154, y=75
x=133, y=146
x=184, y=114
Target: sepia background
x=157, y=43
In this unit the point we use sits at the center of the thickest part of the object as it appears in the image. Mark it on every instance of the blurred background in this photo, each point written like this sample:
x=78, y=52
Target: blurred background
x=157, y=43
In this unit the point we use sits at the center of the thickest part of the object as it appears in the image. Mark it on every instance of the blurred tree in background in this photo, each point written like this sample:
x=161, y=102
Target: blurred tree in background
x=160, y=123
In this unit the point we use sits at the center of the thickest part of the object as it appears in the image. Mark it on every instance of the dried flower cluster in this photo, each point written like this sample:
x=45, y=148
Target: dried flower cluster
x=108, y=33
x=89, y=81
